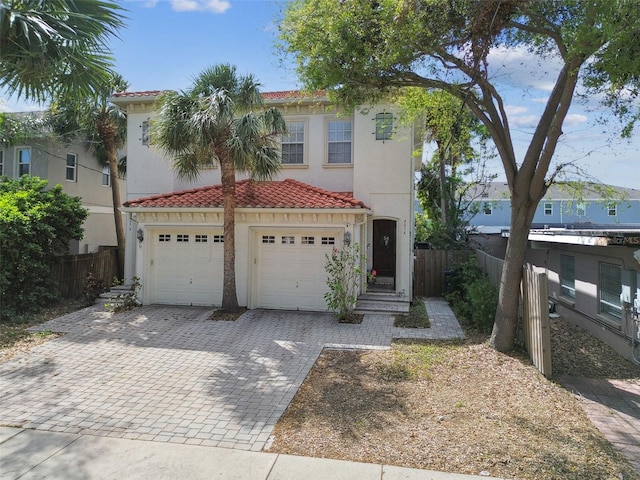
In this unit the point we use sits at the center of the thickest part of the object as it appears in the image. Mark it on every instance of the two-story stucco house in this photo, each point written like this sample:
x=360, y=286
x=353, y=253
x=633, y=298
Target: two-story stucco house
x=80, y=175
x=343, y=178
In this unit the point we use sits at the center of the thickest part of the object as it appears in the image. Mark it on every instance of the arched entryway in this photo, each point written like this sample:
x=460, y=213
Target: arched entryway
x=384, y=253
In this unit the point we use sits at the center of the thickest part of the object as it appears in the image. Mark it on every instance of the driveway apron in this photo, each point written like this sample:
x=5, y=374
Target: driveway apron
x=169, y=374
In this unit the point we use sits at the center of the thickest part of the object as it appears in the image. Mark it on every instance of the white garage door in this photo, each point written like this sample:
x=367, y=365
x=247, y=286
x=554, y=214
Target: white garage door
x=290, y=268
x=186, y=267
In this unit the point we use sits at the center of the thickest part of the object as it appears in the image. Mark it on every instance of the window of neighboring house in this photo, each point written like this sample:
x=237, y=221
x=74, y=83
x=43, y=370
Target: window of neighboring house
x=581, y=209
x=293, y=144
x=72, y=167
x=339, y=141
x=106, y=176
x=1, y=162
x=487, y=208
x=612, y=209
x=146, y=133
x=567, y=276
x=548, y=209
x=609, y=289
x=384, y=126
x=24, y=161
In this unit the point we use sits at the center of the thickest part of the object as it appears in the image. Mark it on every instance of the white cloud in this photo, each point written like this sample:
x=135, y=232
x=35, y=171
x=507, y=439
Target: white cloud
x=575, y=119
x=523, y=121
x=515, y=109
x=150, y=3
x=517, y=67
x=213, y=6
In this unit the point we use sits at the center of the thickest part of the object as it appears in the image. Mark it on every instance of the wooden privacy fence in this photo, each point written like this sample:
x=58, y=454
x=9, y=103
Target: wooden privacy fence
x=430, y=267
x=70, y=272
x=534, y=309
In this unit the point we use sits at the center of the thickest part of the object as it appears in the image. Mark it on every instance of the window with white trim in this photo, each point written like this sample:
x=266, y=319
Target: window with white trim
x=548, y=209
x=218, y=239
x=268, y=239
x=609, y=290
x=487, y=208
x=328, y=240
x=106, y=176
x=72, y=167
x=164, y=237
x=146, y=133
x=181, y=238
x=24, y=161
x=567, y=276
x=201, y=238
x=292, y=144
x=307, y=240
x=581, y=209
x=288, y=240
x=339, y=134
x=384, y=126
x=1, y=162
x=612, y=209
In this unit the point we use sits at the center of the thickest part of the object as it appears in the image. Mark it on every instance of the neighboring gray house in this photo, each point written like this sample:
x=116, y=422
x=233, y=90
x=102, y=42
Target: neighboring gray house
x=80, y=175
x=560, y=207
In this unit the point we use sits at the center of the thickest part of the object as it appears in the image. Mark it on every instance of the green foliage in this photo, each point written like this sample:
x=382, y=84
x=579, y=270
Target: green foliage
x=53, y=46
x=343, y=268
x=18, y=128
x=472, y=295
x=93, y=287
x=35, y=226
x=422, y=224
x=416, y=318
x=126, y=301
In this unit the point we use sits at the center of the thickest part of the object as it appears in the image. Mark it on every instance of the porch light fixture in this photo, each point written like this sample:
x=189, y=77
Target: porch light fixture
x=140, y=234
x=347, y=238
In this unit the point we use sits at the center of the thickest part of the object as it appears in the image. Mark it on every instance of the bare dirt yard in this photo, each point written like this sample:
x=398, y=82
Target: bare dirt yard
x=457, y=407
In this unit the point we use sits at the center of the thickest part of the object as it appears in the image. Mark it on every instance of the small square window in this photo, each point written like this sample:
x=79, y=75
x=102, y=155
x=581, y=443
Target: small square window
x=548, y=208
x=201, y=238
x=308, y=240
x=268, y=239
x=288, y=240
x=328, y=240
x=72, y=167
x=487, y=209
x=612, y=209
x=218, y=239
x=384, y=126
x=164, y=237
x=581, y=209
x=182, y=238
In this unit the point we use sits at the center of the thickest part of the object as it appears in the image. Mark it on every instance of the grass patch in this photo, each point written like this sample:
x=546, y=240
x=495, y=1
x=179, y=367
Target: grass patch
x=416, y=318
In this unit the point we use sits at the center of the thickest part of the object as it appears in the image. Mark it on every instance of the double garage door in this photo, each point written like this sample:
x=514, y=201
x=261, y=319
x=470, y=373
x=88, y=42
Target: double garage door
x=287, y=271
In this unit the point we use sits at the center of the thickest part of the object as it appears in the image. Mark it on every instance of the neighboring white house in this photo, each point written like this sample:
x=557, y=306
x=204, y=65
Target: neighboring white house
x=343, y=177
x=80, y=175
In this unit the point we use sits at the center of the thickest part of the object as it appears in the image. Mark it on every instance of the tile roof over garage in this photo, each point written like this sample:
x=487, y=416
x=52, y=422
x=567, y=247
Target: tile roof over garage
x=251, y=194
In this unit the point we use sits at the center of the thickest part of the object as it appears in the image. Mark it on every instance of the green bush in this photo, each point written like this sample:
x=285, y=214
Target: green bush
x=35, y=225
x=472, y=295
x=343, y=269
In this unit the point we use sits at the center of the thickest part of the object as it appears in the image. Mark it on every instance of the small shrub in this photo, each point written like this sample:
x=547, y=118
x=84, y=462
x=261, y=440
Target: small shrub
x=93, y=287
x=483, y=298
x=343, y=268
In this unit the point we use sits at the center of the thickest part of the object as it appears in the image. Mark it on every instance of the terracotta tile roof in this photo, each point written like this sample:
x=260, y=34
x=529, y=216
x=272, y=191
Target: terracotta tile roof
x=283, y=95
x=275, y=194
x=147, y=93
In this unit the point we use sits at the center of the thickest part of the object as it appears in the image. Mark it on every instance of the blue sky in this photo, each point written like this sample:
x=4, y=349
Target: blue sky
x=167, y=42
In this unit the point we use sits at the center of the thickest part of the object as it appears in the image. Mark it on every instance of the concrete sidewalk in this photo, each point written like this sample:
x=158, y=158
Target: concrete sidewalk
x=30, y=454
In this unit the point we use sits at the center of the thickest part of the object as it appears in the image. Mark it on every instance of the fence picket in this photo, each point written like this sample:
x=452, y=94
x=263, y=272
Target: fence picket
x=70, y=272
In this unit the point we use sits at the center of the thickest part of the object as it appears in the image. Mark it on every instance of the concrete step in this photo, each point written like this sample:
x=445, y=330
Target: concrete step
x=376, y=306
x=382, y=297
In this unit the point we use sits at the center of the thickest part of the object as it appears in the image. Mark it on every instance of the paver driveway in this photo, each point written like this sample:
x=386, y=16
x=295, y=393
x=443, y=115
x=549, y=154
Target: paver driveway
x=169, y=374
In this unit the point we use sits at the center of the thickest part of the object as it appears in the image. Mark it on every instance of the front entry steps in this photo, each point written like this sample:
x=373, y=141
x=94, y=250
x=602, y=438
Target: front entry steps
x=116, y=296
x=384, y=303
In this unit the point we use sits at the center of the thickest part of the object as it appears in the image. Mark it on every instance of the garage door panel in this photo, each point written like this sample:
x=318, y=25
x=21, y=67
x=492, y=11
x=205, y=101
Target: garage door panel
x=292, y=275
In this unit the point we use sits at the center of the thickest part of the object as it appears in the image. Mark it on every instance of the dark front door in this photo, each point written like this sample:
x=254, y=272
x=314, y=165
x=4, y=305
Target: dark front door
x=384, y=248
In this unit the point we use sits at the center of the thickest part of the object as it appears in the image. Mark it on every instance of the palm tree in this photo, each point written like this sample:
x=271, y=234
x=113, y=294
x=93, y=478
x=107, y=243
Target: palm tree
x=49, y=46
x=104, y=127
x=215, y=121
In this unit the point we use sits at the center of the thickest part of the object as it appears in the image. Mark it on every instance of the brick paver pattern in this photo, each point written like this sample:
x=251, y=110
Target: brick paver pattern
x=169, y=374
x=614, y=408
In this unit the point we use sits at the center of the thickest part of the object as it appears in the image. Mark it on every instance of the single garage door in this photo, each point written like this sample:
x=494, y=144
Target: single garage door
x=290, y=268
x=186, y=267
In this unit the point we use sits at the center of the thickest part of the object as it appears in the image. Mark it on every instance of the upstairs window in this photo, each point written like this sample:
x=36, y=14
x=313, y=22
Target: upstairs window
x=24, y=161
x=339, y=142
x=72, y=167
x=581, y=209
x=487, y=208
x=384, y=126
x=1, y=162
x=106, y=176
x=612, y=209
x=293, y=144
x=548, y=209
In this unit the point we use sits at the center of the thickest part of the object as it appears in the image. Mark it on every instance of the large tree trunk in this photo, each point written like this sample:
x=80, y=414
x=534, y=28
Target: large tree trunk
x=229, y=295
x=506, y=321
x=107, y=133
